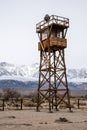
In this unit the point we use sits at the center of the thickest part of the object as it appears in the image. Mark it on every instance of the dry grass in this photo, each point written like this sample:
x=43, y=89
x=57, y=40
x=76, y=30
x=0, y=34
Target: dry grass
x=28, y=103
x=29, y=100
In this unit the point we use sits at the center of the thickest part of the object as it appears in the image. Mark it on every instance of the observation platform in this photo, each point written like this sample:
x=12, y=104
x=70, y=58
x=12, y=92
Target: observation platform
x=55, y=44
x=53, y=20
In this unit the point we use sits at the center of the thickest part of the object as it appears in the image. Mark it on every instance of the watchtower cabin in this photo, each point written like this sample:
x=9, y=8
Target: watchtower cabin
x=52, y=84
x=54, y=28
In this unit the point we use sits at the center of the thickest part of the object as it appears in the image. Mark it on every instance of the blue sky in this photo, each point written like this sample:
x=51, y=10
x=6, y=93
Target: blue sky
x=18, y=38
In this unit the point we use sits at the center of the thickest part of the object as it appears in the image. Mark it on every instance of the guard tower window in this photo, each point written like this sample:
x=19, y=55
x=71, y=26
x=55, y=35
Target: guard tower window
x=59, y=34
x=44, y=34
x=54, y=33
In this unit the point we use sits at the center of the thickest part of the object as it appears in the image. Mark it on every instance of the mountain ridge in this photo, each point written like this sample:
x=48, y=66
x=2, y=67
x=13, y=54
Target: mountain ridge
x=23, y=75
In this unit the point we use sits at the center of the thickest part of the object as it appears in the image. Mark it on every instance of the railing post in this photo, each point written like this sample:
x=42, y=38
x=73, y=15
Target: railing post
x=21, y=103
x=78, y=103
x=3, y=104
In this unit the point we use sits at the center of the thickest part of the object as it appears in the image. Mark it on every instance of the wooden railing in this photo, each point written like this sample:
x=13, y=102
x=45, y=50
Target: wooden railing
x=54, y=41
x=16, y=104
x=19, y=104
x=58, y=20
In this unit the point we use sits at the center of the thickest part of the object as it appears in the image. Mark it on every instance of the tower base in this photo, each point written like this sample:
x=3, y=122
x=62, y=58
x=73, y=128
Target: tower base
x=52, y=85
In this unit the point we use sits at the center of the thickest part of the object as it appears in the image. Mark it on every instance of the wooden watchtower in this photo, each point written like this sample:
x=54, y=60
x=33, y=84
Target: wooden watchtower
x=52, y=85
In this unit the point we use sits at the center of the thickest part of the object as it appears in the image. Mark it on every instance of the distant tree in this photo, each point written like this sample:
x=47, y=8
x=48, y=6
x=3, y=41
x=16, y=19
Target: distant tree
x=86, y=96
x=10, y=93
x=0, y=95
x=32, y=96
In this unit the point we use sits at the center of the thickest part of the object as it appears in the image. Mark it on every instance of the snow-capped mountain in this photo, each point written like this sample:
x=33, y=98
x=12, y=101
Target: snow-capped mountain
x=10, y=74
x=77, y=75
x=18, y=72
x=27, y=72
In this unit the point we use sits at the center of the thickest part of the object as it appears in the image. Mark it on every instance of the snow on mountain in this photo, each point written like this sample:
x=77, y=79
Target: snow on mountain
x=18, y=72
x=30, y=72
x=77, y=75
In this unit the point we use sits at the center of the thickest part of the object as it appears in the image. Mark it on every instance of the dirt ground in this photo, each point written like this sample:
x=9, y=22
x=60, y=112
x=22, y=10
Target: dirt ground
x=32, y=120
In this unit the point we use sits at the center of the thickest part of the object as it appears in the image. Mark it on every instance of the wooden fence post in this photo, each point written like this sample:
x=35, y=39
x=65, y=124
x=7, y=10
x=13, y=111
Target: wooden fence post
x=21, y=103
x=78, y=103
x=3, y=105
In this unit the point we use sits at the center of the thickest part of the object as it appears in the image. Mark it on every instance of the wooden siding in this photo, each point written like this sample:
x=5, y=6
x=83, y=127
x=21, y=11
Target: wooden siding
x=55, y=42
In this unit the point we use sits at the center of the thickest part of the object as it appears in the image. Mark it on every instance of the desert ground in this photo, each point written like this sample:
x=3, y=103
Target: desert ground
x=43, y=120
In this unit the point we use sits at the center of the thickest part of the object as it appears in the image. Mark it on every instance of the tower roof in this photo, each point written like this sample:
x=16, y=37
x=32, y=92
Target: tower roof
x=53, y=20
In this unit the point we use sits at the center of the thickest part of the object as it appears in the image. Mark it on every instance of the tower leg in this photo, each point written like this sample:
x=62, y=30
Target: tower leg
x=52, y=85
x=67, y=89
x=62, y=84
